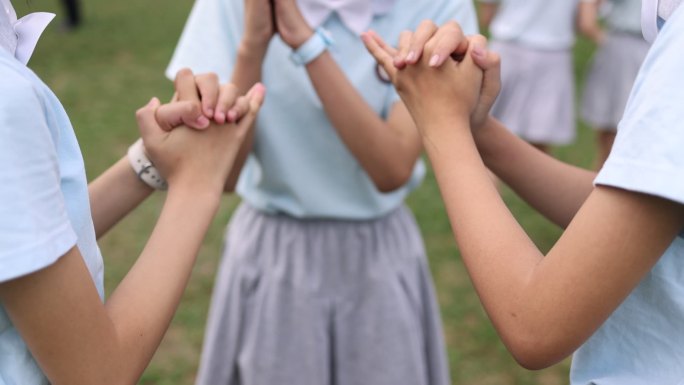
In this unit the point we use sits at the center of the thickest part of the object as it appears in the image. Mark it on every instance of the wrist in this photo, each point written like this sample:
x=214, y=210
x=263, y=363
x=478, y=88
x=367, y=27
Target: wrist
x=319, y=42
x=253, y=49
x=143, y=167
x=195, y=193
x=300, y=37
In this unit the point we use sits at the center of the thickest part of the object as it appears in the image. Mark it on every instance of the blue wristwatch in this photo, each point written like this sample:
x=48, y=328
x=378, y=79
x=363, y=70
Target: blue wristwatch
x=312, y=48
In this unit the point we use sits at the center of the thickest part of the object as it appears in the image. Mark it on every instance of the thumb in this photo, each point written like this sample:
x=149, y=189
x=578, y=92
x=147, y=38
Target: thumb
x=188, y=113
x=490, y=63
x=147, y=123
x=255, y=97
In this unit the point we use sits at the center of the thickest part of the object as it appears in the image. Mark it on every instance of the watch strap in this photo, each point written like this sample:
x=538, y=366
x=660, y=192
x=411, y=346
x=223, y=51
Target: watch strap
x=144, y=168
x=318, y=43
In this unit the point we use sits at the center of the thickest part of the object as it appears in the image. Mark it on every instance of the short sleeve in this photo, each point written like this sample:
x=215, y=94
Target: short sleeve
x=35, y=229
x=648, y=154
x=210, y=39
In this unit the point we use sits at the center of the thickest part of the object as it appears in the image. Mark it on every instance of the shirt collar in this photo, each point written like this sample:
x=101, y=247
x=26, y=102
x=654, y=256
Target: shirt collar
x=20, y=37
x=356, y=15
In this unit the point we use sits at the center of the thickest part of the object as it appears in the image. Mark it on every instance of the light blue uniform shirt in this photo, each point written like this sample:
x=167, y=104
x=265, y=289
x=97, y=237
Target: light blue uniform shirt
x=642, y=343
x=540, y=24
x=299, y=165
x=44, y=193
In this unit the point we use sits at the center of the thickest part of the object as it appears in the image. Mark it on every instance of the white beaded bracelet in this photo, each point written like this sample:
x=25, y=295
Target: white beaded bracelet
x=144, y=167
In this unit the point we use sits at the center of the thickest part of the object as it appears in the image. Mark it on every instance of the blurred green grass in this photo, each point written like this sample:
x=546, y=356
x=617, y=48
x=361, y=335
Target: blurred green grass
x=105, y=70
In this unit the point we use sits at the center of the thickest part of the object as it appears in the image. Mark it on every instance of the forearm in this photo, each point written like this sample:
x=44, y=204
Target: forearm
x=114, y=194
x=77, y=340
x=385, y=151
x=143, y=304
x=555, y=189
x=588, y=21
x=486, y=14
x=498, y=255
x=247, y=73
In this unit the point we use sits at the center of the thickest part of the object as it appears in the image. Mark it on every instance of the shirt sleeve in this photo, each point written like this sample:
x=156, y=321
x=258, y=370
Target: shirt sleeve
x=35, y=229
x=648, y=154
x=210, y=40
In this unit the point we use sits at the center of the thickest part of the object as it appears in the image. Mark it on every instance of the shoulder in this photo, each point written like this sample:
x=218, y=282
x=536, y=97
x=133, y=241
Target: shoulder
x=23, y=119
x=18, y=92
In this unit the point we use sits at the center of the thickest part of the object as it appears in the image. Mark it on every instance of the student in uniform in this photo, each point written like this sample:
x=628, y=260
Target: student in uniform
x=621, y=51
x=55, y=326
x=324, y=277
x=611, y=290
x=535, y=40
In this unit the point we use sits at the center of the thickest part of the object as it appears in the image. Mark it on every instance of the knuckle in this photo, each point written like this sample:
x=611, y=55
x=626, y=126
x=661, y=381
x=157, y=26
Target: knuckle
x=229, y=89
x=139, y=113
x=183, y=72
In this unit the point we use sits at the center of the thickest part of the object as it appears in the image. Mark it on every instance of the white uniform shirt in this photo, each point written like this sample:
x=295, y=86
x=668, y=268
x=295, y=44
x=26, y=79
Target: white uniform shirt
x=540, y=24
x=44, y=204
x=299, y=164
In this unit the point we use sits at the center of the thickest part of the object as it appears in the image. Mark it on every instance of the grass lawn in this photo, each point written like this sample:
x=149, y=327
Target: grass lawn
x=104, y=71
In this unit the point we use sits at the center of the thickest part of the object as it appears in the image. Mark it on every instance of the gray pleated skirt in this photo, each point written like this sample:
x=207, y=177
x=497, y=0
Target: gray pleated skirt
x=610, y=80
x=316, y=302
x=537, y=99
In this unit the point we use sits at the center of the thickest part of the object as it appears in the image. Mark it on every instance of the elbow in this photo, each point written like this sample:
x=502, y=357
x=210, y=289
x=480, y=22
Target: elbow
x=534, y=351
x=392, y=179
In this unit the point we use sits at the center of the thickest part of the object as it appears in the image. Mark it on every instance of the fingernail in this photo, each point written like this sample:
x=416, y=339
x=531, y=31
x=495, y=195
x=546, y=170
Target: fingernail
x=411, y=55
x=434, y=60
x=220, y=117
x=202, y=121
x=210, y=111
x=232, y=115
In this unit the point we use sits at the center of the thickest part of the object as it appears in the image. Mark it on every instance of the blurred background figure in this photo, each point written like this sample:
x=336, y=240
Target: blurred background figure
x=616, y=63
x=535, y=40
x=72, y=10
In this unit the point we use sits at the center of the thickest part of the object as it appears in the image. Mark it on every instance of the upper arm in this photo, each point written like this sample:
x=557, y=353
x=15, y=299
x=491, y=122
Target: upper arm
x=35, y=228
x=612, y=243
x=60, y=316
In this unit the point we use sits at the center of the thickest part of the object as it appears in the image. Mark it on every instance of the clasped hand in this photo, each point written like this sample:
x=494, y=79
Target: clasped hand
x=194, y=140
x=440, y=74
x=287, y=21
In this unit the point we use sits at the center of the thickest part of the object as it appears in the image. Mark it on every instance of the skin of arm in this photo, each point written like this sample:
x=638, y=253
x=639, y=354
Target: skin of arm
x=121, y=182
x=543, y=307
x=250, y=58
x=486, y=14
x=588, y=21
x=387, y=150
x=198, y=98
x=247, y=72
x=75, y=338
